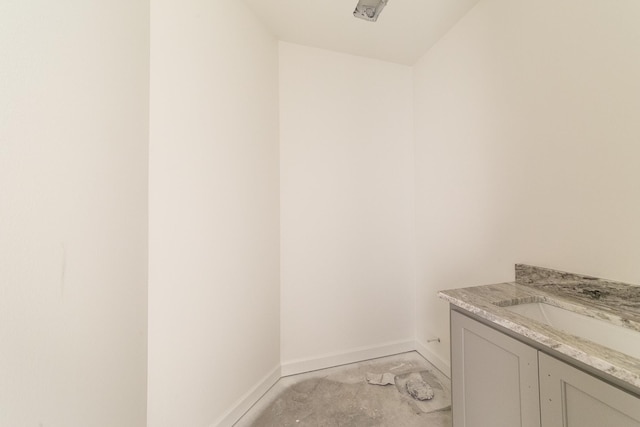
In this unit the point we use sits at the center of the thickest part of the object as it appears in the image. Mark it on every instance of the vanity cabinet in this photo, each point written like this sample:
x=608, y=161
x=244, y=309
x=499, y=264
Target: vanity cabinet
x=494, y=377
x=570, y=397
x=499, y=381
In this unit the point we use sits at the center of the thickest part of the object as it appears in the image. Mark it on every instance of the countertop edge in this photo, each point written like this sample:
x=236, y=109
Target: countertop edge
x=481, y=301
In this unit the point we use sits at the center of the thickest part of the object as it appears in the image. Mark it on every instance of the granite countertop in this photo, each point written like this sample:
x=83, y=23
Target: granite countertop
x=615, y=302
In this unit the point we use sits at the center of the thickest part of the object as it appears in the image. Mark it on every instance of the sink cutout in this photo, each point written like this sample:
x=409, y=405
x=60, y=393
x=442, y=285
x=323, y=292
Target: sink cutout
x=601, y=332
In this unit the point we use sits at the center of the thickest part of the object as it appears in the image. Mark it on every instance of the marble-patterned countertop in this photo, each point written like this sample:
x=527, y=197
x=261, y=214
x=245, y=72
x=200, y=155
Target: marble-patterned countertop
x=615, y=302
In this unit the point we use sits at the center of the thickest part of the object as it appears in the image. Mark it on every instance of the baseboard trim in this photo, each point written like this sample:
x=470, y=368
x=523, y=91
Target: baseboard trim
x=249, y=399
x=442, y=365
x=352, y=356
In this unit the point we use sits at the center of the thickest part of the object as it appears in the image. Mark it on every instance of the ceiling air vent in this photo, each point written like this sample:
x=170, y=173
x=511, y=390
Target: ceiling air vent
x=369, y=10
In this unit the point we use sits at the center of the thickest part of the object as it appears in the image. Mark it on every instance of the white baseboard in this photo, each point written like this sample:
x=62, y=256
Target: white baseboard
x=351, y=356
x=443, y=365
x=249, y=399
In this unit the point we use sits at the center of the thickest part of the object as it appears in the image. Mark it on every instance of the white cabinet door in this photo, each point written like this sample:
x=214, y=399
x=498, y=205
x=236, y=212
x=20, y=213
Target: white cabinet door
x=572, y=398
x=494, y=377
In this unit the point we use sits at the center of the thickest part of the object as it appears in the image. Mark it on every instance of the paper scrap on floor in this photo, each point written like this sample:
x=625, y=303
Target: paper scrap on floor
x=381, y=379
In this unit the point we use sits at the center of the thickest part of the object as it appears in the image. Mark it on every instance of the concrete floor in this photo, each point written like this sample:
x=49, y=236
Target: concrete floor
x=341, y=396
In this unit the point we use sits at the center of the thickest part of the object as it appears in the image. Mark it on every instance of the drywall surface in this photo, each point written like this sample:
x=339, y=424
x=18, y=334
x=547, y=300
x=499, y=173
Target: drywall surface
x=213, y=212
x=73, y=212
x=346, y=203
x=527, y=130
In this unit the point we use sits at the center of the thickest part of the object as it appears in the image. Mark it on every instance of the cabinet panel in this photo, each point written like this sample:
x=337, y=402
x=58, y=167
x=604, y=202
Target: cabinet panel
x=572, y=398
x=494, y=377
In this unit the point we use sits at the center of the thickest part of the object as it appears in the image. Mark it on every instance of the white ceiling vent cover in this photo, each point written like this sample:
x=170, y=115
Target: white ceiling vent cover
x=369, y=10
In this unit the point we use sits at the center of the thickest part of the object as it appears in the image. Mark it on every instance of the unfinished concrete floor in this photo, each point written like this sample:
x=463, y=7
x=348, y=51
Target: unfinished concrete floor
x=341, y=396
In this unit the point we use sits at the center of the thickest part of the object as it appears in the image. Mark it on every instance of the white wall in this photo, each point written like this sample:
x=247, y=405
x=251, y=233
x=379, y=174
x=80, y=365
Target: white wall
x=346, y=206
x=214, y=229
x=527, y=147
x=73, y=215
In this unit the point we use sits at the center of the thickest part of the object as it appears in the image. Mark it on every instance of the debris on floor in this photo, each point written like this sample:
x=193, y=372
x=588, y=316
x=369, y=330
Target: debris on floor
x=416, y=385
x=345, y=396
x=419, y=389
x=441, y=399
x=381, y=379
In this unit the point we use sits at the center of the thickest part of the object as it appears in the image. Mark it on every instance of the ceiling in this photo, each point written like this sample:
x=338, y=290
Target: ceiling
x=405, y=30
